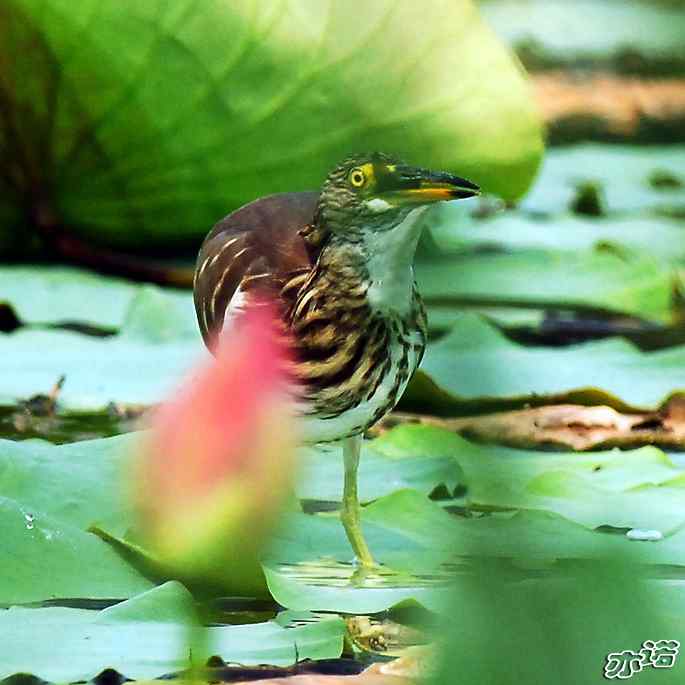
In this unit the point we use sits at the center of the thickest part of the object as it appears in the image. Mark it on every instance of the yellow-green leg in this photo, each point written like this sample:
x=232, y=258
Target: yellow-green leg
x=350, y=504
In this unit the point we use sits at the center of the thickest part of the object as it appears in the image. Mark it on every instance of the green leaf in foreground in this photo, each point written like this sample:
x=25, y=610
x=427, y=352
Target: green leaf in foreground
x=475, y=367
x=136, y=153
x=146, y=637
x=78, y=483
x=45, y=558
x=560, y=628
x=559, y=503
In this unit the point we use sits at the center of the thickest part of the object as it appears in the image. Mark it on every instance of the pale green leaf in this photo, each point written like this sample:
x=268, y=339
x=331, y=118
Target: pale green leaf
x=475, y=366
x=147, y=637
x=46, y=558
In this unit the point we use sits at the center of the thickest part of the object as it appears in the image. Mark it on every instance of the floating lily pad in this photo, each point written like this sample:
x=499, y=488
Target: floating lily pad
x=309, y=563
x=600, y=280
x=621, y=172
x=55, y=294
x=321, y=475
x=98, y=371
x=46, y=558
x=591, y=30
x=660, y=237
x=78, y=484
x=475, y=367
x=422, y=547
x=147, y=637
x=640, y=488
x=150, y=324
x=424, y=550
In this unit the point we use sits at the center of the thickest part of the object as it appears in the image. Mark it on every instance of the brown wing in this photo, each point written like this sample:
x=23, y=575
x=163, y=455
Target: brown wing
x=258, y=244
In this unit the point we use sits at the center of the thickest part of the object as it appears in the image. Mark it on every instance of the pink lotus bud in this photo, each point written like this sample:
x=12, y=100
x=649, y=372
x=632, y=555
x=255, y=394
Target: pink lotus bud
x=217, y=464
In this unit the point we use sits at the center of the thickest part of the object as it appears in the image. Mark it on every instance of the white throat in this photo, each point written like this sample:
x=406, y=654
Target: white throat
x=391, y=264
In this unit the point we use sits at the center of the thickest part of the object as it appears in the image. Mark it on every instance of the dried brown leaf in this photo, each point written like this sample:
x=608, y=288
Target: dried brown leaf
x=566, y=426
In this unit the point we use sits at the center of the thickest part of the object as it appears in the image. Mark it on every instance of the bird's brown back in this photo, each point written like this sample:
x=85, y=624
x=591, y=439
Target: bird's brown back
x=352, y=362
x=258, y=245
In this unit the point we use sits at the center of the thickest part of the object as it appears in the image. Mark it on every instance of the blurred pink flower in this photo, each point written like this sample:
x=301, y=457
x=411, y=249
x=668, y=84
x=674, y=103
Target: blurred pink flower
x=217, y=464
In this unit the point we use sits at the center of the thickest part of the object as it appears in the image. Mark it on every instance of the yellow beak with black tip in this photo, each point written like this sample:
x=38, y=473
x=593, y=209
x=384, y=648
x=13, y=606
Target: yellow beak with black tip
x=416, y=186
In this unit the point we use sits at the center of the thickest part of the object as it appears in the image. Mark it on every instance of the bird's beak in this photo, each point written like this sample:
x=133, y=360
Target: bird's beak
x=415, y=186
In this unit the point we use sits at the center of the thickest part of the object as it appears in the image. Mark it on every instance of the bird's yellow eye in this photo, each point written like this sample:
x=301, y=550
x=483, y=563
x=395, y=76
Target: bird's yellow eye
x=357, y=178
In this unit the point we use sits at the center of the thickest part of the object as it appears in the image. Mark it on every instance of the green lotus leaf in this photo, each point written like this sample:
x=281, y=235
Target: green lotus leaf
x=640, y=488
x=44, y=295
x=659, y=237
x=600, y=280
x=621, y=173
x=476, y=368
x=138, y=124
x=47, y=558
x=97, y=371
x=147, y=637
x=563, y=500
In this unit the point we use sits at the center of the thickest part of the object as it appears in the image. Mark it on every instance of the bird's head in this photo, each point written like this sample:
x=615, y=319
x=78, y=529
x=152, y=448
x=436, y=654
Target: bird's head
x=374, y=192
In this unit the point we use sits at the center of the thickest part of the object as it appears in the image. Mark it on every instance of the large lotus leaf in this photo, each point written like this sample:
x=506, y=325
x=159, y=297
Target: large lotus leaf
x=475, y=367
x=147, y=637
x=585, y=28
x=45, y=294
x=46, y=558
x=661, y=237
x=140, y=123
x=621, y=172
